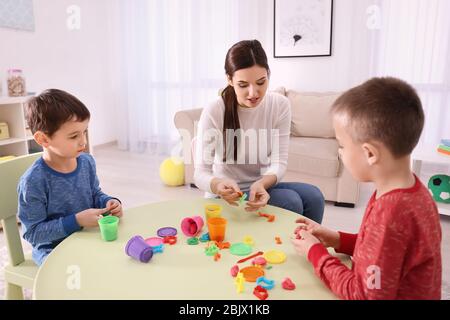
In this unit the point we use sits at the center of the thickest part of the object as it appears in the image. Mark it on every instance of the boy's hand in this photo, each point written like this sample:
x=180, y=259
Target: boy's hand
x=228, y=190
x=115, y=207
x=258, y=197
x=303, y=241
x=89, y=218
x=327, y=237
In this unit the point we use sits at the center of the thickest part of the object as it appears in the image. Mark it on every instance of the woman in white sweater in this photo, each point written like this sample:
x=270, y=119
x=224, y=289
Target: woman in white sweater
x=243, y=139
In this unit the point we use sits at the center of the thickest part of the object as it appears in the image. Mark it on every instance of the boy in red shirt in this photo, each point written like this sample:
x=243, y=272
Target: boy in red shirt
x=397, y=252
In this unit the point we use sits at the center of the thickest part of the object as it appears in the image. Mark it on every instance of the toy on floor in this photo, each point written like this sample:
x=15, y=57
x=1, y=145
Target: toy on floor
x=439, y=186
x=171, y=172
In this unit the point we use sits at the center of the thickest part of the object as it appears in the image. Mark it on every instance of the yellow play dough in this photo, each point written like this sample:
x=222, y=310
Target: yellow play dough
x=275, y=256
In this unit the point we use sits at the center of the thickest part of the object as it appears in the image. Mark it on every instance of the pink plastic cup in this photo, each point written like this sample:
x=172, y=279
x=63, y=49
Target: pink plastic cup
x=192, y=226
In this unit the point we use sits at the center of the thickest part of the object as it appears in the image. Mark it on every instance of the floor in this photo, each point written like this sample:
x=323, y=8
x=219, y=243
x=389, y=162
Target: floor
x=134, y=178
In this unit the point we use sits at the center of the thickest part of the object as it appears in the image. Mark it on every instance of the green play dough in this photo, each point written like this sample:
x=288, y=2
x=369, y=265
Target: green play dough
x=240, y=249
x=192, y=241
x=212, y=250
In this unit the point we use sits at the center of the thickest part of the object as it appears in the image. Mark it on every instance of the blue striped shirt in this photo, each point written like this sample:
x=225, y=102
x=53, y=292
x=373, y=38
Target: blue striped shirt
x=48, y=201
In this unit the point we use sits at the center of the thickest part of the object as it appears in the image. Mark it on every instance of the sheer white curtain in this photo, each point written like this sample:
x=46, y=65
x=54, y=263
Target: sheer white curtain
x=413, y=43
x=172, y=58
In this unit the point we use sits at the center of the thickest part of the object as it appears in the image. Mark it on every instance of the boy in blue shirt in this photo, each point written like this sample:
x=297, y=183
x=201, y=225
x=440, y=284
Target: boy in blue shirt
x=60, y=193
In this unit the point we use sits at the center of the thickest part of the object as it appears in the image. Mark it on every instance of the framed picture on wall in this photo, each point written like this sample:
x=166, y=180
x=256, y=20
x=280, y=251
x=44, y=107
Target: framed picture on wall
x=302, y=28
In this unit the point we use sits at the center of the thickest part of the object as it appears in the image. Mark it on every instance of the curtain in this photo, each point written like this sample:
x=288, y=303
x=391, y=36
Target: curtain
x=413, y=44
x=172, y=58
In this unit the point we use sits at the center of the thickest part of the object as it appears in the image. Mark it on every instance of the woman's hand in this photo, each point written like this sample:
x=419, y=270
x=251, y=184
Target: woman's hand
x=227, y=189
x=258, y=197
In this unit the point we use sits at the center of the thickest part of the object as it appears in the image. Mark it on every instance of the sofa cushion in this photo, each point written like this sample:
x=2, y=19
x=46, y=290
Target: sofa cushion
x=314, y=156
x=311, y=113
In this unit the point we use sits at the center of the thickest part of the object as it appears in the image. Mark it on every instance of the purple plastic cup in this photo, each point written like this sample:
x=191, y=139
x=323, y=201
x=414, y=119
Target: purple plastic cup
x=138, y=249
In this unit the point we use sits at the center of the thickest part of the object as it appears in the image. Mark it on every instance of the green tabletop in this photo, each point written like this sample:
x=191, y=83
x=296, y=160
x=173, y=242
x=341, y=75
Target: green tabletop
x=84, y=266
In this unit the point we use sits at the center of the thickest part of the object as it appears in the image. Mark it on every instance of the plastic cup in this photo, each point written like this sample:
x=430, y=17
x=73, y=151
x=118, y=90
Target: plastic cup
x=217, y=227
x=213, y=211
x=192, y=226
x=138, y=249
x=108, y=227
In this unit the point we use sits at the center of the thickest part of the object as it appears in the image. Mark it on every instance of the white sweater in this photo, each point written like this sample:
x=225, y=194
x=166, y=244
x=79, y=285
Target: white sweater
x=266, y=128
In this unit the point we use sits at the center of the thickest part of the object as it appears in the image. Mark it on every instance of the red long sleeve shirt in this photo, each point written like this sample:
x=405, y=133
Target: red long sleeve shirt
x=396, y=254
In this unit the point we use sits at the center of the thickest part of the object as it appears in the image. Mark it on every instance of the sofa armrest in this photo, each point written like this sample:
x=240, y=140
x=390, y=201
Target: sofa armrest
x=186, y=123
x=187, y=119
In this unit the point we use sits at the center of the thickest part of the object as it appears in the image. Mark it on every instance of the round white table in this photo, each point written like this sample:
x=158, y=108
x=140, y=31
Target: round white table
x=84, y=266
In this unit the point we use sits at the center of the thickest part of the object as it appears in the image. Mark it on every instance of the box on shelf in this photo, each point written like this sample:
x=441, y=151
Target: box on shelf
x=16, y=83
x=4, y=131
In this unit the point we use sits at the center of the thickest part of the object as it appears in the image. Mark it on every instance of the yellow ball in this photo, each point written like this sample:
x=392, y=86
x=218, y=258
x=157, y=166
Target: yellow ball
x=171, y=172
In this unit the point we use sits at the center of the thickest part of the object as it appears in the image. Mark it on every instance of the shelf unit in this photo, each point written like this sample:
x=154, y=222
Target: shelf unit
x=20, y=140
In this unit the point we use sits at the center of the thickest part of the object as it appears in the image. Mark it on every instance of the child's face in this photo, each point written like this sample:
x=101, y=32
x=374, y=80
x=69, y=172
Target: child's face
x=70, y=140
x=351, y=152
x=250, y=85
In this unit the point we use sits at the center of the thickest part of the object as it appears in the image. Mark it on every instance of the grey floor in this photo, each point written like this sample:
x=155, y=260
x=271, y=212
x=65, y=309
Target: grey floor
x=134, y=178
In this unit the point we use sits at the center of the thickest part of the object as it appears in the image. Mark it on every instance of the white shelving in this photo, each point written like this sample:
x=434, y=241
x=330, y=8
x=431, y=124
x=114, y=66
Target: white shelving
x=19, y=142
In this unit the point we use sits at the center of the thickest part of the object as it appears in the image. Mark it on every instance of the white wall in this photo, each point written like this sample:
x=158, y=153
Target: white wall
x=76, y=61
x=84, y=62
x=350, y=60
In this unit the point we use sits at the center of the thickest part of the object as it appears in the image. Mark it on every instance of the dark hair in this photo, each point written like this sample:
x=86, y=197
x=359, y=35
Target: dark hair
x=387, y=110
x=48, y=111
x=242, y=55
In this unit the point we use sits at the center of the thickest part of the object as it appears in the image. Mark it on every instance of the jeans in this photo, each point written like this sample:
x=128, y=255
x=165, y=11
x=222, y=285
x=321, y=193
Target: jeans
x=303, y=198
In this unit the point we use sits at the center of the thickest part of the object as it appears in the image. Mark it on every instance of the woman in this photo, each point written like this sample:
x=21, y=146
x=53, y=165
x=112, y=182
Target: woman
x=243, y=139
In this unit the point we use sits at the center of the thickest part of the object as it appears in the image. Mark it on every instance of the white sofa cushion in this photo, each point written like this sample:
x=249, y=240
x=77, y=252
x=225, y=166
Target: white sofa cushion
x=311, y=113
x=314, y=156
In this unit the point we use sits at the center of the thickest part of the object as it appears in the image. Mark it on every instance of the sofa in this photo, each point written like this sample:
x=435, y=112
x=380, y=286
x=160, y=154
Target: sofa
x=313, y=149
